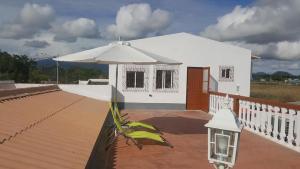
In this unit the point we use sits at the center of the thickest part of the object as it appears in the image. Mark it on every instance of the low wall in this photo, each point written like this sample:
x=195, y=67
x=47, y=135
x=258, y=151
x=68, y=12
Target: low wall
x=26, y=85
x=99, y=92
x=4, y=94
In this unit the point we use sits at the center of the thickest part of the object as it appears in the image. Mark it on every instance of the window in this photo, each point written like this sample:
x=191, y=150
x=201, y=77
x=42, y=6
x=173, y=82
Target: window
x=134, y=79
x=226, y=73
x=164, y=79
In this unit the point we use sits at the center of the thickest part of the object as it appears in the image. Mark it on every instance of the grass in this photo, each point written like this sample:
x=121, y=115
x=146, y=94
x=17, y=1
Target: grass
x=280, y=92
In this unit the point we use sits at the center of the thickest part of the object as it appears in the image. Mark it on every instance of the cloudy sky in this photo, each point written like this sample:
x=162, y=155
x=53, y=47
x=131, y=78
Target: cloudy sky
x=40, y=28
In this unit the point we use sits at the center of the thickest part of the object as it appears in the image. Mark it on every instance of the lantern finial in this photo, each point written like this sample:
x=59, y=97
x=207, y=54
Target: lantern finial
x=226, y=103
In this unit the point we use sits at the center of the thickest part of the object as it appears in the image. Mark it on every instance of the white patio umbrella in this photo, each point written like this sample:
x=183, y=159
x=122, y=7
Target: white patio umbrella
x=117, y=53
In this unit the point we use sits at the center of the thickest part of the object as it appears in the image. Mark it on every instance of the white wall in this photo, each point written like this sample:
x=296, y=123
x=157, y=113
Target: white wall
x=144, y=97
x=99, y=92
x=192, y=51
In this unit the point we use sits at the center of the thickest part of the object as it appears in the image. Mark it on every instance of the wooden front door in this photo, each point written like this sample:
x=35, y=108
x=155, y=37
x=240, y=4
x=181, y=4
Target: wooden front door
x=197, y=97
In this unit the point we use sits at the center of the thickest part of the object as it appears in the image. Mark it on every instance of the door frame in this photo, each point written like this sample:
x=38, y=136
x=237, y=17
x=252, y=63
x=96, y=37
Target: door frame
x=186, y=92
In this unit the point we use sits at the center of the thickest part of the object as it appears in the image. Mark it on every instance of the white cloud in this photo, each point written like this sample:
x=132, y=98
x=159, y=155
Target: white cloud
x=267, y=21
x=138, y=20
x=294, y=66
x=36, y=44
x=31, y=20
x=284, y=50
x=271, y=28
x=73, y=29
x=34, y=19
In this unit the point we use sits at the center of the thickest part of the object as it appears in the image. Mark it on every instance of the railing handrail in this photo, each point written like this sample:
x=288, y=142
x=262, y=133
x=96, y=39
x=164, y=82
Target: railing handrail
x=259, y=100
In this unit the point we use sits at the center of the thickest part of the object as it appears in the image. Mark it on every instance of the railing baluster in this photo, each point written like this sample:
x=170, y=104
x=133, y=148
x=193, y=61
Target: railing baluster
x=276, y=119
x=248, y=113
x=252, y=118
x=240, y=111
x=214, y=103
x=231, y=103
x=219, y=103
x=290, y=135
x=244, y=112
x=257, y=117
x=297, y=128
x=270, y=115
x=210, y=104
x=283, y=125
x=245, y=109
x=263, y=119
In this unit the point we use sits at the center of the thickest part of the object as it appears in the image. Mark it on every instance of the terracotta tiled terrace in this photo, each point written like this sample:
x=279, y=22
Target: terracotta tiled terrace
x=63, y=130
x=186, y=131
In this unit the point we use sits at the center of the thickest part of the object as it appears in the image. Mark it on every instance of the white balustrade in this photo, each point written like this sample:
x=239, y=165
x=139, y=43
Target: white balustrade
x=279, y=124
x=216, y=103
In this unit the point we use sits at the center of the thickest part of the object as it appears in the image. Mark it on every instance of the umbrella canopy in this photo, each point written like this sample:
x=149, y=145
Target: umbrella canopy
x=116, y=53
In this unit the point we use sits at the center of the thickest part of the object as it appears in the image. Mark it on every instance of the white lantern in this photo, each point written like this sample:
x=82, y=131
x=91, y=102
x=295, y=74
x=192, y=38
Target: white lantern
x=223, y=137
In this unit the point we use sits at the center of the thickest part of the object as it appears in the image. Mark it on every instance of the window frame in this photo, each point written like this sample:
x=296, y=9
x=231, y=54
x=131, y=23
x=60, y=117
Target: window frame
x=228, y=72
x=174, y=78
x=135, y=79
x=164, y=78
x=135, y=68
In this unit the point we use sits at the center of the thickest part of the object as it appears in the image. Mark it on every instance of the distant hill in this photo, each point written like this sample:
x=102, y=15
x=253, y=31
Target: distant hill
x=67, y=65
x=276, y=76
x=283, y=74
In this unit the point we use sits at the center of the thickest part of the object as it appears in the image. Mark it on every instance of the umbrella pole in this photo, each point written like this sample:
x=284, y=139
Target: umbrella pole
x=116, y=86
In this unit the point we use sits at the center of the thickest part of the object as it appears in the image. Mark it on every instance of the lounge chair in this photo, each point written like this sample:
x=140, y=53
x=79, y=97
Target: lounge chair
x=134, y=124
x=134, y=135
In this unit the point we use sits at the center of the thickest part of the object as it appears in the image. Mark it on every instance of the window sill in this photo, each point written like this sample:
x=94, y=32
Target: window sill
x=166, y=90
x=135, y=90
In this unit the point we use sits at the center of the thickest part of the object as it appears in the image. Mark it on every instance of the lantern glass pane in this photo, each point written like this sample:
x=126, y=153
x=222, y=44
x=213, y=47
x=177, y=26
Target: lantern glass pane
x=212, y=151
x=218, y=131
x=231, y=134
x=222, y=144
x=212, y=134
x=229, y=159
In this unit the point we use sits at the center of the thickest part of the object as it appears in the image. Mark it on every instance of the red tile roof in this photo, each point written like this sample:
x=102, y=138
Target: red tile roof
x=53, y=130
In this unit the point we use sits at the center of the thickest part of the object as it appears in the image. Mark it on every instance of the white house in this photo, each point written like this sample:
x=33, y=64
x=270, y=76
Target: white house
x=207, y=65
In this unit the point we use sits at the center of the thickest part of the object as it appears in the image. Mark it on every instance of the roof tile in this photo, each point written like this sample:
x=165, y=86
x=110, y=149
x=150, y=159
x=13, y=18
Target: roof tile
x=53, y=130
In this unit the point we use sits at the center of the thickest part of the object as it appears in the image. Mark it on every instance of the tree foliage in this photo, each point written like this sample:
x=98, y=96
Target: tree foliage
x=21, y=69
x=16, y=67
